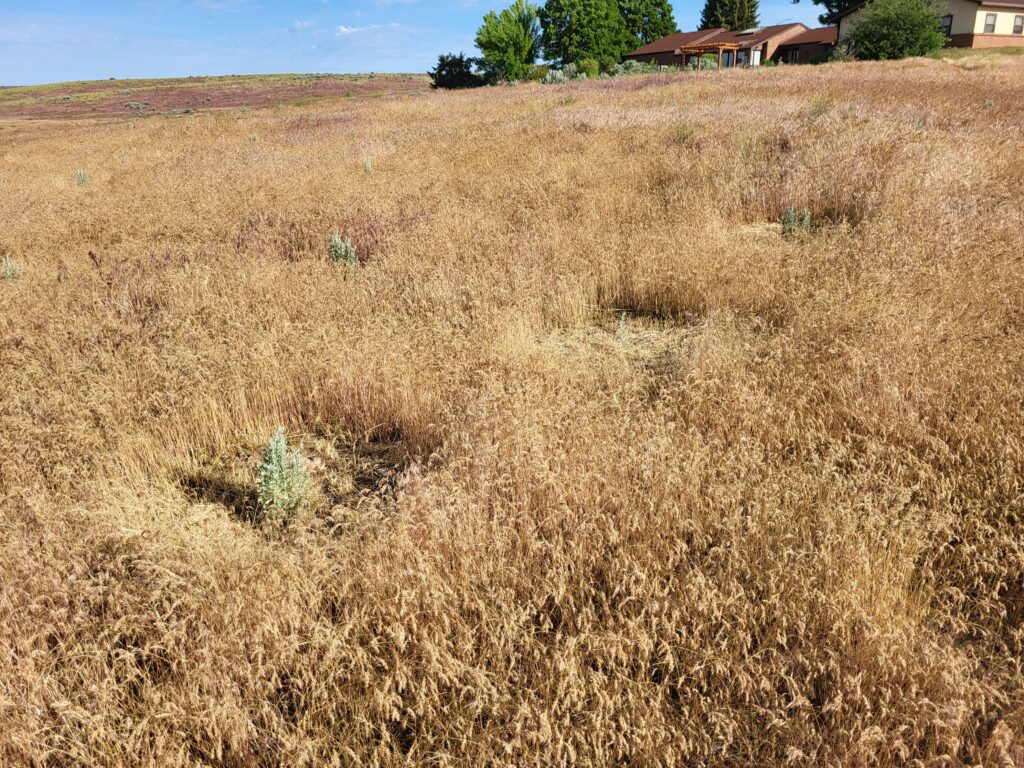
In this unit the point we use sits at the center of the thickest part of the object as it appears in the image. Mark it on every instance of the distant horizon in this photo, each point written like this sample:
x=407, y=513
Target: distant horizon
x=60, y=41
x=155, y=78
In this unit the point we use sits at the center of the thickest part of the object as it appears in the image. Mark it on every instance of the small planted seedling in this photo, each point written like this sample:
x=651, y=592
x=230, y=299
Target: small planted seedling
x=342, y=251
x=796, y=222
x=82, y=178
x=9, y=268
x=368, y=166
x=283, y=481
x=684, y=133
x=819, y=106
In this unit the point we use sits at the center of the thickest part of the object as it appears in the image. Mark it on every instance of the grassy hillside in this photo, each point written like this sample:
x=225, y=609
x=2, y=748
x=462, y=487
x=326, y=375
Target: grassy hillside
x=605, y=468
x=104, y=98
x=964, y=53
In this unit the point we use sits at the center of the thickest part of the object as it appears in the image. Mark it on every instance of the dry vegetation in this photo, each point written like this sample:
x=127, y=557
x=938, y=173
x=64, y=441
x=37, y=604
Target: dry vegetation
x=103, y=98
x=608, y=472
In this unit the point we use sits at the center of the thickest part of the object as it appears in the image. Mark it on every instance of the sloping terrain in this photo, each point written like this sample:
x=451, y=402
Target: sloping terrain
x=106, y=98
x=606, y=466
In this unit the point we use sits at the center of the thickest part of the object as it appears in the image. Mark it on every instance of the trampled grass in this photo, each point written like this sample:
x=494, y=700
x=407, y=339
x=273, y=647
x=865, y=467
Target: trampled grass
x=603, y=469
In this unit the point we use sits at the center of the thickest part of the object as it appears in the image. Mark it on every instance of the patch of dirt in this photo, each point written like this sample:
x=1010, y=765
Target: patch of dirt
x=357, y=479
x=350, y=479
x=658, y=347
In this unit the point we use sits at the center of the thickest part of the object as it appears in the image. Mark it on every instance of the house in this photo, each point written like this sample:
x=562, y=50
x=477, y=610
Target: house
x=749, y=47
x=664, y=52
x=808, y=47
x=967, y=23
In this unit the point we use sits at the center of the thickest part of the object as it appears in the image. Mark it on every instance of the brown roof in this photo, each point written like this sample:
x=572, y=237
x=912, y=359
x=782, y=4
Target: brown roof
x=670, y=43
x=745, y=39
x=1011, y=3
x=821, y=36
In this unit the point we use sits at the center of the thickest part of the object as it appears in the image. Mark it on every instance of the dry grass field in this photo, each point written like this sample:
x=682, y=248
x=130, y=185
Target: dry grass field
x=104, y=98
x=607, y=470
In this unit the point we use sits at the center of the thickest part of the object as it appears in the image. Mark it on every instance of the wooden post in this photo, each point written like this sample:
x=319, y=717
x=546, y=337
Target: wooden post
x=719, y=57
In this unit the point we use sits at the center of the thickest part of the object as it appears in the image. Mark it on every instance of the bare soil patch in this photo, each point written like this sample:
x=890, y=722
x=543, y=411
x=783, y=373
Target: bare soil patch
x=351, y=478
x=656, y=347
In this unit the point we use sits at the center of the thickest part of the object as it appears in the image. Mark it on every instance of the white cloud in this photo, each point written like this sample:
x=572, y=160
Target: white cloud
x=344, y=30
x=302, y=25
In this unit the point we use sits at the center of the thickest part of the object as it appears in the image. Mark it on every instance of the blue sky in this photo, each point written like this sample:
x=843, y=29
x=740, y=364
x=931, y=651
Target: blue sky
x=55, y=40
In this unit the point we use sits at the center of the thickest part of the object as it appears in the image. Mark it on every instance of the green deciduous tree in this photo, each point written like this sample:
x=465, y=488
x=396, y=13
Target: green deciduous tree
x=583, y=29
x=896, y=29
x=647, y=20
x=731, y=14
x=510, y=40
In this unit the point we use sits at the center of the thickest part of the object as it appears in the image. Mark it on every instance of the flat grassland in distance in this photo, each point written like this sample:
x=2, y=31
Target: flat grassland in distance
x=606, y=469
x=103, y=98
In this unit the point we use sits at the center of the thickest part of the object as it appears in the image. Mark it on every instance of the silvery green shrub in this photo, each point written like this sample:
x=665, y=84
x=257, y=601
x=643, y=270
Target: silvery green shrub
x=9, y=268
x=632, y=67
x=342, y=251
x=795, y=222
x=82, y=177
x=283, y=481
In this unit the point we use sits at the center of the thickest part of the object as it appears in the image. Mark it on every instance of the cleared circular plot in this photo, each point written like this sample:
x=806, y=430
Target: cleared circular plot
x=351, y=479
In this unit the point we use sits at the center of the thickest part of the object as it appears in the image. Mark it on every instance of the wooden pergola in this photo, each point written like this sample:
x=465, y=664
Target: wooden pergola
x=701, y=48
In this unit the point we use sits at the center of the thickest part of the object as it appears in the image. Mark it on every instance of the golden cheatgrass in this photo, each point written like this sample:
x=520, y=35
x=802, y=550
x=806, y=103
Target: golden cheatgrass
x=604, y=469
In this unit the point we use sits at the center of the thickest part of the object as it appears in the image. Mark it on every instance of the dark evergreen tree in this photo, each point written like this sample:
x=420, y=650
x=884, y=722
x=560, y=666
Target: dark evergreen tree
x=832, y=8
x=647, y=20
x=731, y=14
x=583, y=29
x=456, y=71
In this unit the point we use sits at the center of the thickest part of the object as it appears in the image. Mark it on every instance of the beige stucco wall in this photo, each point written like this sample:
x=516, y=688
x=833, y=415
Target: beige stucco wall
x=968, y=18
x=847, y=23
x=965, y=13
x=1004, y=19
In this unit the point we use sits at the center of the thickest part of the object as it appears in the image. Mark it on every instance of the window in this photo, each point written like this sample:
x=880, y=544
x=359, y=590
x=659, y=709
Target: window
x=946, y=25
x=990, y=23
x=1018, y=25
